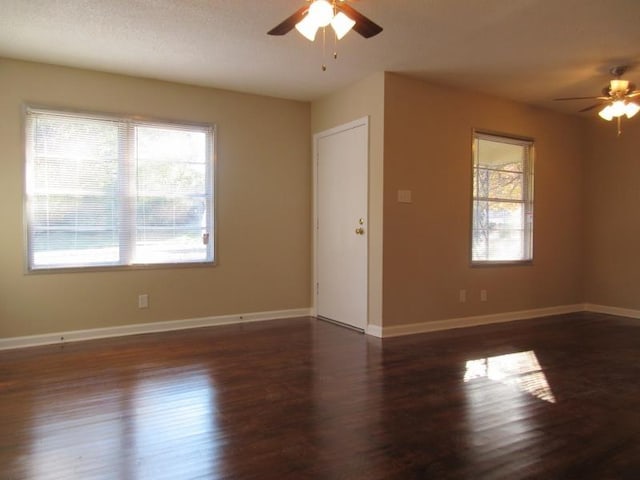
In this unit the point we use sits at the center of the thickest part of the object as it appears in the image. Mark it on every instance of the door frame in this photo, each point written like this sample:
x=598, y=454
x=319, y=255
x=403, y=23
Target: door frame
x=360, y=122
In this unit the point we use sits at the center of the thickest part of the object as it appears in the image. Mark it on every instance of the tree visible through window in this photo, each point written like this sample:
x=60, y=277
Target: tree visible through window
x=107, y=191
x=502, y=199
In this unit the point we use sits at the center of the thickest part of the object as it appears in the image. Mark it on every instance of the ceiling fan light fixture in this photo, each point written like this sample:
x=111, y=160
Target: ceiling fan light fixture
x=619, y=86
x=342, y=25
x=618, y=108
x=316, y=14
x=606, y=113
x=321, y=12
x=307, y=28
x=616, y=98
x=631, y=109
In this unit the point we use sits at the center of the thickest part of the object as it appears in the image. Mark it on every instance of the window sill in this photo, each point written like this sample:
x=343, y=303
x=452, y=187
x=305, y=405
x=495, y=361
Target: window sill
x=502, y=263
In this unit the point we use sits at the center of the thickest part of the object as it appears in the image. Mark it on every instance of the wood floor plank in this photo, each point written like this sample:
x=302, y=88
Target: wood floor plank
x=553, y=398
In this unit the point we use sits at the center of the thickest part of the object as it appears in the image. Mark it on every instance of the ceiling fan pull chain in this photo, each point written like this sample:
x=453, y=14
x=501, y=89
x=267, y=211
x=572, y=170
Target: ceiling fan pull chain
x=324, y=37
x=335, y=35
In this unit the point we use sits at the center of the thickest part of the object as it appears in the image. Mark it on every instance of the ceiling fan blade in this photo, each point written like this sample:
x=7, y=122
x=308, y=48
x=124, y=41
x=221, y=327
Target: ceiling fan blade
x=591, y=107
x=289, y=23
x=363, y=26
x=580, y=98
x=633, y=94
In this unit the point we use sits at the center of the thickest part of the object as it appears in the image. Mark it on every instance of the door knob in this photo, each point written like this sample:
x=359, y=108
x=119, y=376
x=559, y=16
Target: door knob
x=359, y=231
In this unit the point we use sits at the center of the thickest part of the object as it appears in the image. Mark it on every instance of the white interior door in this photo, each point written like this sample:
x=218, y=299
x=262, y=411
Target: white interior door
x=341, y=209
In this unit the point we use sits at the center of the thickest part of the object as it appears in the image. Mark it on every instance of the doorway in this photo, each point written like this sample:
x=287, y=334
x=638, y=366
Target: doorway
x=341, y=165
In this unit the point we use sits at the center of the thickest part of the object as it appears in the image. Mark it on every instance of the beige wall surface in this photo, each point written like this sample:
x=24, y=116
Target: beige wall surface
x=263, y=204
x=612, y=222
x=427, y=149
x=586, y=229
x=363, y=99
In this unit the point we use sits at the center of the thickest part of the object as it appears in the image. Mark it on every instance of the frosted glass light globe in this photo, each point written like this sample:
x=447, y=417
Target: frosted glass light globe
x=321, y=12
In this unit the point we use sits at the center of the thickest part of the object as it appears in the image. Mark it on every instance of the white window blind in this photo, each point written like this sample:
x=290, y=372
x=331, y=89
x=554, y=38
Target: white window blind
x=502, y=228
x=110, y=191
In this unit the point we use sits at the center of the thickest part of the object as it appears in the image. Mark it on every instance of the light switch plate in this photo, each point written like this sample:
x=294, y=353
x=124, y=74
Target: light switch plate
x=143, y=301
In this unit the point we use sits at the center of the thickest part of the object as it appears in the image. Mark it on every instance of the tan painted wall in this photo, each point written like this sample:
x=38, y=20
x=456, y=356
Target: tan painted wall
x=363, y=99
x=263, y=207
x=612, y=203
x=427, y=149
x=585, y=236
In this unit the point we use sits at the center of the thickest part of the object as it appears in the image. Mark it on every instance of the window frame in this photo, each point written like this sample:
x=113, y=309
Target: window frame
x=211, y=179
x=527, y=196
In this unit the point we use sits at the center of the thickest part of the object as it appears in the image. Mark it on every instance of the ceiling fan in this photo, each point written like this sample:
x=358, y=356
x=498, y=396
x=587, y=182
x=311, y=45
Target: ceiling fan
x=318, y=14
x=616, y=98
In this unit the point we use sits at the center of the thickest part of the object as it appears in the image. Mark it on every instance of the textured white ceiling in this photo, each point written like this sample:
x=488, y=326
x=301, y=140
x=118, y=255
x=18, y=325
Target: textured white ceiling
x=526, y=50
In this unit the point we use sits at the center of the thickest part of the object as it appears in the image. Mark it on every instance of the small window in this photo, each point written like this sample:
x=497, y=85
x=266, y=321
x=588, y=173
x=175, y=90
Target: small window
x=502, y=227
x=115, y=191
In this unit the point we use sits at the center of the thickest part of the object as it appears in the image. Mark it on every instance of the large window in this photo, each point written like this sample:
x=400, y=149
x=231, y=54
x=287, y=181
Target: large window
x=114, y=191
x=502, y=228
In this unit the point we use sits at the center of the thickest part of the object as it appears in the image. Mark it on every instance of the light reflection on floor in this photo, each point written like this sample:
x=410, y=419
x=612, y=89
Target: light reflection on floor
x=521, y=370
x=161, y=422
x=178, y=413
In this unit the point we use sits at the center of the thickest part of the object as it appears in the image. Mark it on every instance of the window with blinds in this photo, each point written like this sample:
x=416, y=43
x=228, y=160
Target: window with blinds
x=116, y=191
x=502, y=229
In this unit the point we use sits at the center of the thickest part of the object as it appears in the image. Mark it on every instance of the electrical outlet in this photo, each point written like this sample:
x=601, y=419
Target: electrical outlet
x=483, y=295
x=462, y=296
x=143, y=301
x=404, y=196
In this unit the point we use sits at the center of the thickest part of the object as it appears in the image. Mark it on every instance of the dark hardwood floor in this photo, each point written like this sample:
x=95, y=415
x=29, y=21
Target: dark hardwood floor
x=553, y=398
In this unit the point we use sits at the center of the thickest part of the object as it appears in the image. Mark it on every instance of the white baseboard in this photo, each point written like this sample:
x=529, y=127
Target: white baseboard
x=621, y=312
x=374, y=331
x=134, y=329
x=462, y=322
